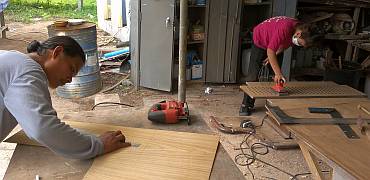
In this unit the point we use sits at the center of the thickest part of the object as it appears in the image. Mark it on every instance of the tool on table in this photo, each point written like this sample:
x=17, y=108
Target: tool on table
x=337, y=119
x=348, y=131
x=363, y=125
x=279, y=88
x=282, y=118
x=228, y=129
x=169, y=112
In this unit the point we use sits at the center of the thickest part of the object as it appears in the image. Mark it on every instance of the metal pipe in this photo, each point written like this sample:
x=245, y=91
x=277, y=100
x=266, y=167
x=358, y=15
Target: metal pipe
x=183, y=50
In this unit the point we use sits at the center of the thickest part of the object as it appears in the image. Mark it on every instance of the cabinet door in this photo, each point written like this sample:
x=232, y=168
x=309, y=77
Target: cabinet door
x=156, y=44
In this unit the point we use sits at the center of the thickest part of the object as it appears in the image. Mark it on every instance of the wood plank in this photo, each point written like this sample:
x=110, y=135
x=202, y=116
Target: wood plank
x=160, y=154
x=311, y=162
x=300, y=90
x=216, y=41
x=349, y=154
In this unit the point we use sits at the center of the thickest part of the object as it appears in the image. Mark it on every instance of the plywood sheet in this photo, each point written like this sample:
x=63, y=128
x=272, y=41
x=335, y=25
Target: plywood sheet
x=160, y=154
x=301, y=89
x=350, y=154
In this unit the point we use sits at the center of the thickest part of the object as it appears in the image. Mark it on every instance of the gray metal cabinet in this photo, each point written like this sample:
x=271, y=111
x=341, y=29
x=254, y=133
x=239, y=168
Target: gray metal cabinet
x=222, y=41
x=156, y=44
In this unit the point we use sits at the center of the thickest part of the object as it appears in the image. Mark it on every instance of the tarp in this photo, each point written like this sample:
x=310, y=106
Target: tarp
x=3, y=4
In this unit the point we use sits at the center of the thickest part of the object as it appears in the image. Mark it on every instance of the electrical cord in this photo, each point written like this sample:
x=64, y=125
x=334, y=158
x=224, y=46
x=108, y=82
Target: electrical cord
x=245, y=159
x=114, y=103
x=264, y=74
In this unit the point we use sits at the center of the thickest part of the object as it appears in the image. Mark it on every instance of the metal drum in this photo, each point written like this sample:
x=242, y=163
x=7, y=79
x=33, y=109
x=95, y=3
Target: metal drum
x=88, y=80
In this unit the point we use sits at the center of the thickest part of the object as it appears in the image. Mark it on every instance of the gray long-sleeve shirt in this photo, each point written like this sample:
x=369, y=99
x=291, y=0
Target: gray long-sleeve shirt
x=25, y=99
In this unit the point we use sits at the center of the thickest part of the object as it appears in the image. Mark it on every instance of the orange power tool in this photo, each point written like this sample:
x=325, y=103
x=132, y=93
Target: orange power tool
x=279, y=88
x=169, y=112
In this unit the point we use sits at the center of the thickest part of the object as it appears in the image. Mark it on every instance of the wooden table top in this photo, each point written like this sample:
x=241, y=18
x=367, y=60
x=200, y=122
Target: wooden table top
x=329, y=140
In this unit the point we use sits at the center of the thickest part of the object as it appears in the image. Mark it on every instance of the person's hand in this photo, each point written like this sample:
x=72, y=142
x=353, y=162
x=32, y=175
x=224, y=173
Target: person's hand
x=266, y=61
x=113, y=140
x=279, y=78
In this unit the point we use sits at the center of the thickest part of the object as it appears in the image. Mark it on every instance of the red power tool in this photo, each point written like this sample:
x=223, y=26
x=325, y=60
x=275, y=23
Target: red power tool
x=279, y=88
x=169, y=112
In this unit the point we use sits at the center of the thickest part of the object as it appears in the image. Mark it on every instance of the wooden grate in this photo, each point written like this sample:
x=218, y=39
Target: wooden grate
x=301, y=89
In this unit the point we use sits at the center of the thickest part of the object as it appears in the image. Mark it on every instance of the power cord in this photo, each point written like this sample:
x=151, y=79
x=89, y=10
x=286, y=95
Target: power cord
x=114, y=103
x=245, y=159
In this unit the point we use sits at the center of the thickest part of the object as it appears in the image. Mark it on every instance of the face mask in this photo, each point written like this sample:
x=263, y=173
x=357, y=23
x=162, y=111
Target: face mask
x=295, y=41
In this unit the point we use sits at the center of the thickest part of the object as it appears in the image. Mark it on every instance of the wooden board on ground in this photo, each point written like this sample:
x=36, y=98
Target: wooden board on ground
x=156, y=154
x=300, y=89
x=352, y=155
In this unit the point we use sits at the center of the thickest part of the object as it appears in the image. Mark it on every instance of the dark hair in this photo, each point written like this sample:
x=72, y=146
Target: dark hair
x=71, y=47
x=309, y=34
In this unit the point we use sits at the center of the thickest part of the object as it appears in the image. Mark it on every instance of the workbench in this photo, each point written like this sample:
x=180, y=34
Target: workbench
x=348, y=158
x=29, y=161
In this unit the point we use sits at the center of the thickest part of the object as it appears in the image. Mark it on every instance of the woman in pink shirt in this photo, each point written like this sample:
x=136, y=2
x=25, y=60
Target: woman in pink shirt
x=270, y=39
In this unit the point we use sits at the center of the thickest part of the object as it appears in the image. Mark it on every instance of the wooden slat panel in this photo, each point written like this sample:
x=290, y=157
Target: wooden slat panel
x=161, y=154
x=216, y=41
x=301, y=89
x=329, y=140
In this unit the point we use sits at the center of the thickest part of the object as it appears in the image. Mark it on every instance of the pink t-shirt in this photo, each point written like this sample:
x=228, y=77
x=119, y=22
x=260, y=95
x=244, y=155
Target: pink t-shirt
x=274, y=33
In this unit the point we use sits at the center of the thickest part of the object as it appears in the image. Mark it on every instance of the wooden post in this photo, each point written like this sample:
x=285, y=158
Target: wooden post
x=183, y=50
x=2, y=25
x=80, y=5
x=311, y=162
x=356, y=15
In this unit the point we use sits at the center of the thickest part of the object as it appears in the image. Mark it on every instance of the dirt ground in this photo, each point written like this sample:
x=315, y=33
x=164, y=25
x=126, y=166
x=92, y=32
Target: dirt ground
x=223, y=102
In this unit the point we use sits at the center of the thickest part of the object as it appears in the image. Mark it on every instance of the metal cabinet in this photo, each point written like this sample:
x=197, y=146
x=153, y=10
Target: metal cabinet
x=153, y=46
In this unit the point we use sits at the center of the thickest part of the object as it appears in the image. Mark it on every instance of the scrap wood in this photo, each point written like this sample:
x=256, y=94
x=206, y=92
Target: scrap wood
x=362, y=124
x=366, y=63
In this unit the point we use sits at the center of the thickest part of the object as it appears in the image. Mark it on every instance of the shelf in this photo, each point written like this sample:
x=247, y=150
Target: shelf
x=197, y=6
x=257, y=4
x=308, y=71
x=192, y=42
x=333, y=36
x=196, y=42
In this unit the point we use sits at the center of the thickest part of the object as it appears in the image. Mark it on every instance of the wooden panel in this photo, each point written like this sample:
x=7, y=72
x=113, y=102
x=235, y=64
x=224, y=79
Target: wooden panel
x=232, y=41
x=157, y=154
x=216, y=37
x=300, y=89
x=329, y=140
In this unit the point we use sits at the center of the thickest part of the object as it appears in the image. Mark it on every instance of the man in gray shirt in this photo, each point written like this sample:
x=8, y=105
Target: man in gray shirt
x=25, y=98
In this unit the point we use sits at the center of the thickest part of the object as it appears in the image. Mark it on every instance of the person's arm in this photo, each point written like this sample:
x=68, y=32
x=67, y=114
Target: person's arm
x=266, y=61
x=28, y=100
x=271, y=55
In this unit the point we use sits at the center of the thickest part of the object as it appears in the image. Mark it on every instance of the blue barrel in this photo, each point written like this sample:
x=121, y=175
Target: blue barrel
x=88, y=80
